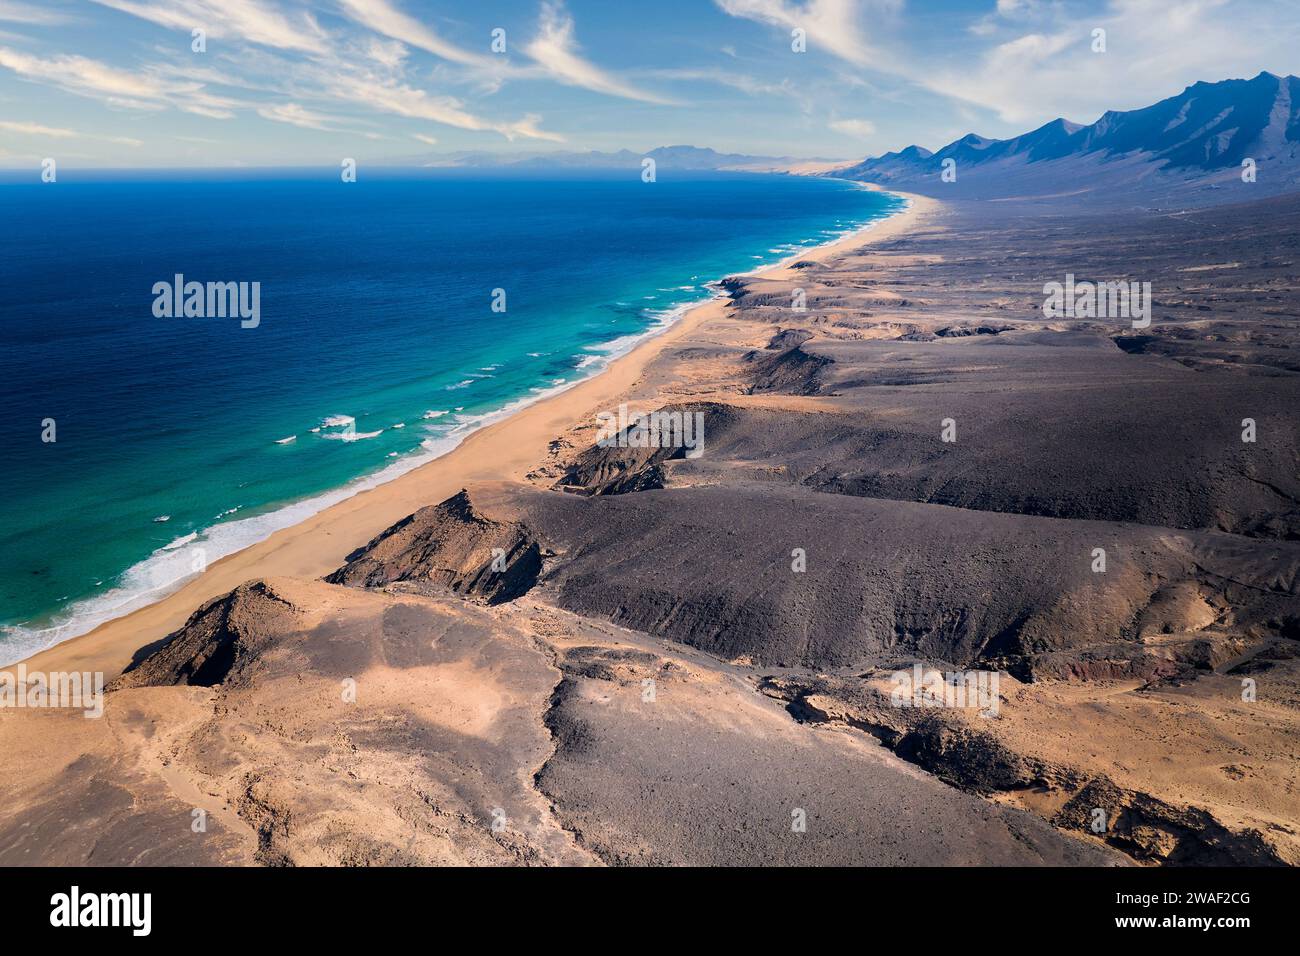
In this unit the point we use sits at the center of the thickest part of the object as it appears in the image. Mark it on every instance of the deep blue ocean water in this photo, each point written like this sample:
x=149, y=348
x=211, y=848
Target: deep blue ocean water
x=376, y=305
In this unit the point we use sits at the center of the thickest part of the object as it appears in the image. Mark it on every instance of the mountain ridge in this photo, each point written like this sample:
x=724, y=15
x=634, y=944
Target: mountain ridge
x=1201, y=136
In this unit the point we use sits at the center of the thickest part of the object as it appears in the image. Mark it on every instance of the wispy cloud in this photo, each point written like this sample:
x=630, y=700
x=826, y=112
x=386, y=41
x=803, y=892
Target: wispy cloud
x=123, y=88
x=384, y=18
x=1153, y=49
x=832, y=25
x=296, y=115
x=249, y=20
x=78, y=74
x=15, y=12
x=402, y=99
x=389, y=54
x=35, y=129
x=55, y=132
x=308, y=79
x=555, y=50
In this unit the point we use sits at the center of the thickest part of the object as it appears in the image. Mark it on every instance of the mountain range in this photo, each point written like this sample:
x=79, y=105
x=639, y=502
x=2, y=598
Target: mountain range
x=668, y=157
x=1197, y=139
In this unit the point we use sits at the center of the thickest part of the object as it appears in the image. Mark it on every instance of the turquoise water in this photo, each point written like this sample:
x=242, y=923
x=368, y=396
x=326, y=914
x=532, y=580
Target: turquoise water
x=377, y=347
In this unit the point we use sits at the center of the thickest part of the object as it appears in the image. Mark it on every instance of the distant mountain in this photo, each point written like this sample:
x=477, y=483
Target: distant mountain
x=1191, y=145
x=665, y=157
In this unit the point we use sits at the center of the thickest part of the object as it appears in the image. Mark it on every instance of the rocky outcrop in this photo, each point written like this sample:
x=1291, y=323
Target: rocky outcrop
x=788, y=338
x=789, y=372
x=219, y=639
x=450, y=545
x=1153, y=831
x=621, y=466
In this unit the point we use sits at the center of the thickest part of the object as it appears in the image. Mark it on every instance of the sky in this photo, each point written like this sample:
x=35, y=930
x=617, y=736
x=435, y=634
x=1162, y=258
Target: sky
x=124, y=83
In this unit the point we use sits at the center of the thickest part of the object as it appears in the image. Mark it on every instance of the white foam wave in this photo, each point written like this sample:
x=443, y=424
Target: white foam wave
x=352, y=436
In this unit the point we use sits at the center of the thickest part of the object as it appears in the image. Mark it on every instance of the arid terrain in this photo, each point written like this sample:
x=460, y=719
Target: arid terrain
x=622, y=655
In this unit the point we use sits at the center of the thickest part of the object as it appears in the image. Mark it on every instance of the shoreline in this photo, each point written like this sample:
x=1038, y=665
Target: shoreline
x=505, y=448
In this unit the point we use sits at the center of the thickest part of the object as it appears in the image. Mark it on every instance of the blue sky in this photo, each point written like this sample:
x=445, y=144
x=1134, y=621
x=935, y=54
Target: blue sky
x=117, y=83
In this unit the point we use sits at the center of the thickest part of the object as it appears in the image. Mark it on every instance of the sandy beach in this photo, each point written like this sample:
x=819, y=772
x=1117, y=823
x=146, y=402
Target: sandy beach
x=507, y=449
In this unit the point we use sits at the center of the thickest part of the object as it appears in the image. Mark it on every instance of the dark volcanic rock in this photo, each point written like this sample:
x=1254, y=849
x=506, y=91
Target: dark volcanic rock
x=450, y=545
x=791, y=372
x=712, y=567
x=218, y=640
x=788, y=338
x=618, y=468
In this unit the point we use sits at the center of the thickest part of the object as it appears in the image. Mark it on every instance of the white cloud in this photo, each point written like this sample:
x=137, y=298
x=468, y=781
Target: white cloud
x=555, y=50
x=428, y=140
x=122, y=88
x=34, y=129
x=15, y=12
x=296, y=115
x=859, y=128
x=1155, y=48
x=833, y=25
x=80, y=75
x=402, y=99
x=387, y=53
x=249, y=20
x=384, y=18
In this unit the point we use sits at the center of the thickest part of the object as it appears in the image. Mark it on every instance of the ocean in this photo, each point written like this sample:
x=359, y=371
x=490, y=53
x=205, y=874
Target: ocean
x=396, y=315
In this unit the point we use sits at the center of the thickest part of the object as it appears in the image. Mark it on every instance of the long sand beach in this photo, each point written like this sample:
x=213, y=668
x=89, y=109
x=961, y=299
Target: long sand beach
x=506, y=449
